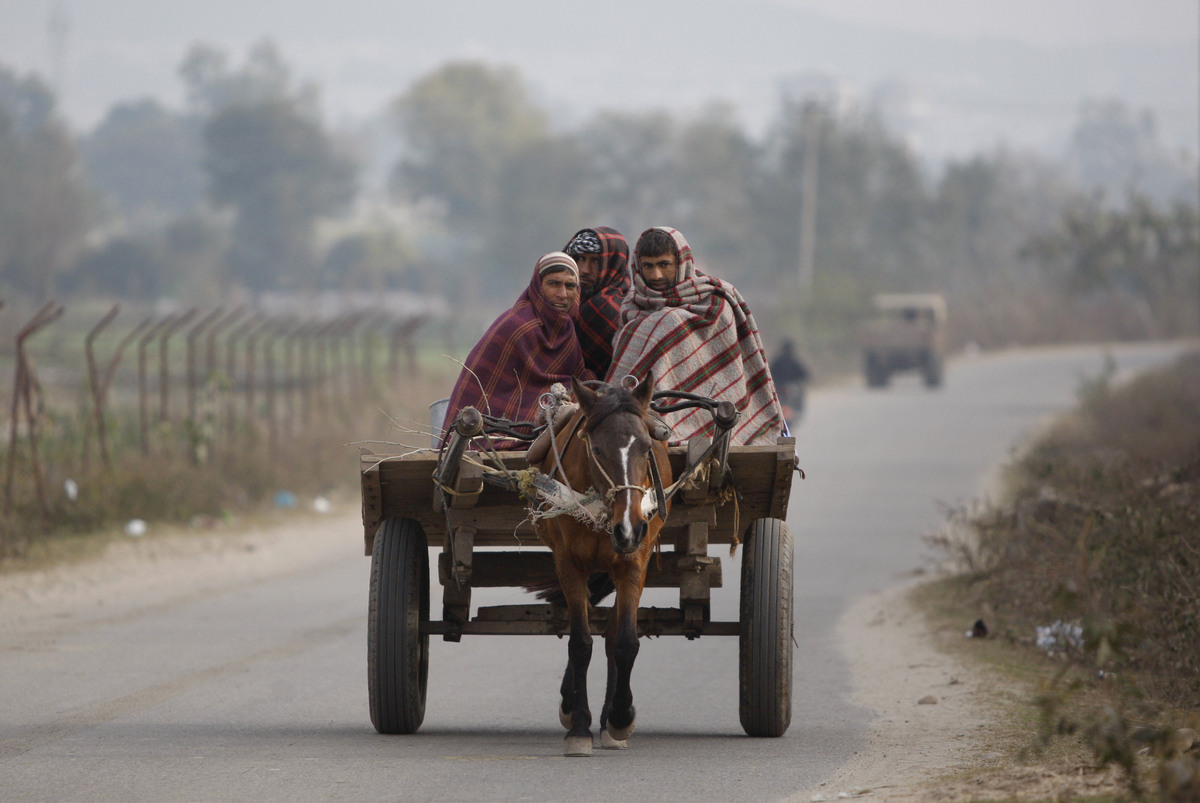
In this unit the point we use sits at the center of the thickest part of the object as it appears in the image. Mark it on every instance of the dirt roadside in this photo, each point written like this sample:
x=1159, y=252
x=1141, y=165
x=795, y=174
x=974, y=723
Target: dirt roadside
x=933, y=737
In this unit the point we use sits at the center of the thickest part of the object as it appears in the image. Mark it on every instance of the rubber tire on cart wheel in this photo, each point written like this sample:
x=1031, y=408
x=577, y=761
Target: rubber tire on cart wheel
x=765, y=641
x=397, y=650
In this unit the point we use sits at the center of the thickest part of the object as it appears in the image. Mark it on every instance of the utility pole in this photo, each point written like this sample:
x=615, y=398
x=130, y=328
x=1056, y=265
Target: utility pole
x=58, y=27
x=810, y=123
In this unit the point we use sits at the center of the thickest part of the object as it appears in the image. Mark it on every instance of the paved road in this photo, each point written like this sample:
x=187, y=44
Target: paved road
x=260, y=691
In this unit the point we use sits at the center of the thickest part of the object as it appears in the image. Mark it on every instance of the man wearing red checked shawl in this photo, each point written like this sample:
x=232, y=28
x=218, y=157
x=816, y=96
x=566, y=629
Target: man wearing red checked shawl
x=526, y=350
x=603, y=258
x=696, y=334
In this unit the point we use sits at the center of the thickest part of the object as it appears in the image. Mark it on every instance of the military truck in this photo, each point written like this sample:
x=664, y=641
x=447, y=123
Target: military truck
x=907, y=333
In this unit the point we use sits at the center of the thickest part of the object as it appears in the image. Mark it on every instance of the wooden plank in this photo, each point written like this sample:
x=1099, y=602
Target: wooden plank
x=372, y=507
x=785, y=468
x=519, y=569
x=531, y=620
x=401, y=486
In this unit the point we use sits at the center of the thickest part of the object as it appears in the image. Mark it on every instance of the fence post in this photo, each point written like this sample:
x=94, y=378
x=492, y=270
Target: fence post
x=97, y=417
x=271, y=333
x=164, y=367
x=110, y=372
x=192, y=424
x=23, y=392
x=210, y=362
x=143, y=391
x=192, y=334
x=231, y=368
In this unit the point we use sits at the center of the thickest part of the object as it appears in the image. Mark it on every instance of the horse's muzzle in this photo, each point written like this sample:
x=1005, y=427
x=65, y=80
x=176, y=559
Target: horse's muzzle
x=626, y=540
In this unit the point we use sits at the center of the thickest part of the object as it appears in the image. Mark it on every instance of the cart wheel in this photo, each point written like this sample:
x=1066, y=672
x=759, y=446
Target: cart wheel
x=765, y=642
x=397, y=650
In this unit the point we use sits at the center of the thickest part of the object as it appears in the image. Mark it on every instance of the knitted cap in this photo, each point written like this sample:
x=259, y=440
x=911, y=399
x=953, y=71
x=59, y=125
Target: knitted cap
x=556, y=261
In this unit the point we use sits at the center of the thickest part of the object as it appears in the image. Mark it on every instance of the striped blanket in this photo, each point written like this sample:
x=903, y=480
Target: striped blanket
x=599, y=313
x=525, y=351
x=699, y=336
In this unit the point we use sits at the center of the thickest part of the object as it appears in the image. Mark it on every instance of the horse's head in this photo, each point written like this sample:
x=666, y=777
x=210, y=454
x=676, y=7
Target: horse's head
x=619, y=450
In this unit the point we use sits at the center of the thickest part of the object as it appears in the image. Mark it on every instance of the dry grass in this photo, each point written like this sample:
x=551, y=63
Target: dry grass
x=1101, y=532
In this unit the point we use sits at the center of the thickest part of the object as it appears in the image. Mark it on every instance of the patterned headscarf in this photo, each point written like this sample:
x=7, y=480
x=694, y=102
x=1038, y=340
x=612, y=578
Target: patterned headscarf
x=699, y=336
x=525, y=351
x=600, y=308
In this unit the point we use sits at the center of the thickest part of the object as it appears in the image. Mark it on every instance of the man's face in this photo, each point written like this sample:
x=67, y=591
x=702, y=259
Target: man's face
x=561, y=289
x=589, y=270
x=659, y=272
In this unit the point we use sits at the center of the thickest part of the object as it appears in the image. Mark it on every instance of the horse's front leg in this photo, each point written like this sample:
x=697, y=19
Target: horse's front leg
x=621, y=646
x=579, y=655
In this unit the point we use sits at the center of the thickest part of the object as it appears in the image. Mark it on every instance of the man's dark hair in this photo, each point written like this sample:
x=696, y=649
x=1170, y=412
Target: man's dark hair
x=654, y=242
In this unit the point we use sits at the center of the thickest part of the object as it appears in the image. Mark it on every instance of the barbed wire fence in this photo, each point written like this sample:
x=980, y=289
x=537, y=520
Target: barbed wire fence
x=137, y=394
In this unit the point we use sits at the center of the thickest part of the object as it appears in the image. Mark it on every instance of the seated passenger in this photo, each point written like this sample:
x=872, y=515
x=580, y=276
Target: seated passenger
x=696, y=334
x=603, y=258
x=526, y=350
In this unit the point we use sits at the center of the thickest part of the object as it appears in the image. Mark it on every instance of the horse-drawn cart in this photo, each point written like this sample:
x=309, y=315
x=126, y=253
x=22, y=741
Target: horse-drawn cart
x=475, y=506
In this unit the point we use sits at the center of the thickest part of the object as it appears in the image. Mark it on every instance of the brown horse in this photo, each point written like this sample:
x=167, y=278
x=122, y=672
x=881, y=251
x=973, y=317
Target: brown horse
x=610, y=450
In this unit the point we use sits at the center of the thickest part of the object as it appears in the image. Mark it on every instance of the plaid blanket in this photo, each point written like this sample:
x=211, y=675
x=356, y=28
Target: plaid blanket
x=599, y=313
x=699, y=336
x=525, y=351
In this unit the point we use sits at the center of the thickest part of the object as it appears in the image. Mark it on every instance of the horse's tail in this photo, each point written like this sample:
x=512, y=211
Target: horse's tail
x=600, y=585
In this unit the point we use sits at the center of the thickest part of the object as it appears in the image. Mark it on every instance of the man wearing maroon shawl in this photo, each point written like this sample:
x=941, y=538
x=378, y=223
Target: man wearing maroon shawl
x=603, y=258
x=527, y=349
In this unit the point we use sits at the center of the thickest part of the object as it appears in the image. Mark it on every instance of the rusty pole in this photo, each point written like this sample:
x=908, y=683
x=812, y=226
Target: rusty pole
x=192, y=334
x=306, y=371
x=369, y=350
x=194, y=427
x=110, y=372
x=231, y=368
x=251, y=367
x=97, y=417
x=210, y=362
x=290, y=381
x=164, y=367
x=23, y=392
x=274, y=331
x=143, y=391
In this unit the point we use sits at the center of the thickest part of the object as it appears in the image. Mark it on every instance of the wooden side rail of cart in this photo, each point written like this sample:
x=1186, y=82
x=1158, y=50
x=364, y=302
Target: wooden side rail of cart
x=480, y=515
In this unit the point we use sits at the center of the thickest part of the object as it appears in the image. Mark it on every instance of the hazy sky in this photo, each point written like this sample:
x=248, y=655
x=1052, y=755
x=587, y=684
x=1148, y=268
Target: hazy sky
x=978, y=71
x=1038, y=22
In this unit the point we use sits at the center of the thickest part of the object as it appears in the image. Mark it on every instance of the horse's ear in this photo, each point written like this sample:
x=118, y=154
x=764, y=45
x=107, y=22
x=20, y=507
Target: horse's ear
x=645, y=390
x=585, y=395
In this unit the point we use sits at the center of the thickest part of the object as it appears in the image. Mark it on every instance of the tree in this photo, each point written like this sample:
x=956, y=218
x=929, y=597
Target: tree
x=1117, y=151
x=634, y=170
x=462, y=125
x=717, y=166
x=1145, y=252
x=871, y=199
x=43, y=205
x=147, y=159
x=269, y=158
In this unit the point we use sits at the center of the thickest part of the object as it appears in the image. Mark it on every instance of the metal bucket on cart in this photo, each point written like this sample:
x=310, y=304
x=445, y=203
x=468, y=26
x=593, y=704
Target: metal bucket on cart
x=437, y=420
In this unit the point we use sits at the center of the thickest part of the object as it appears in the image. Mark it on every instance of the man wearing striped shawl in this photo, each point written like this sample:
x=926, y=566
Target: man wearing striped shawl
x=695, y=333
x=603, y=258
x=526, y=350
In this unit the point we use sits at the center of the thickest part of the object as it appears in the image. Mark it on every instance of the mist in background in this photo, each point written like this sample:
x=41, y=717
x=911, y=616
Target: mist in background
x=1024, y=158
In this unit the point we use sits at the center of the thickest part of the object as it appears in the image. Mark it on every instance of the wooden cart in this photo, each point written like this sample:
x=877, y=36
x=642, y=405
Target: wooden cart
x=733, y=493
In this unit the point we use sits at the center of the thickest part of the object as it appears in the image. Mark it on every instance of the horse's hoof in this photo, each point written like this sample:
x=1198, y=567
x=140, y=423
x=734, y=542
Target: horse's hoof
x=607, y=742
x=564, y=718
x=578, y=746
x=620, y=734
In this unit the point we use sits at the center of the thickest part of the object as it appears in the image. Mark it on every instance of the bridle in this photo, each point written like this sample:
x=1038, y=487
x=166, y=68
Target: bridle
x=610, y=495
